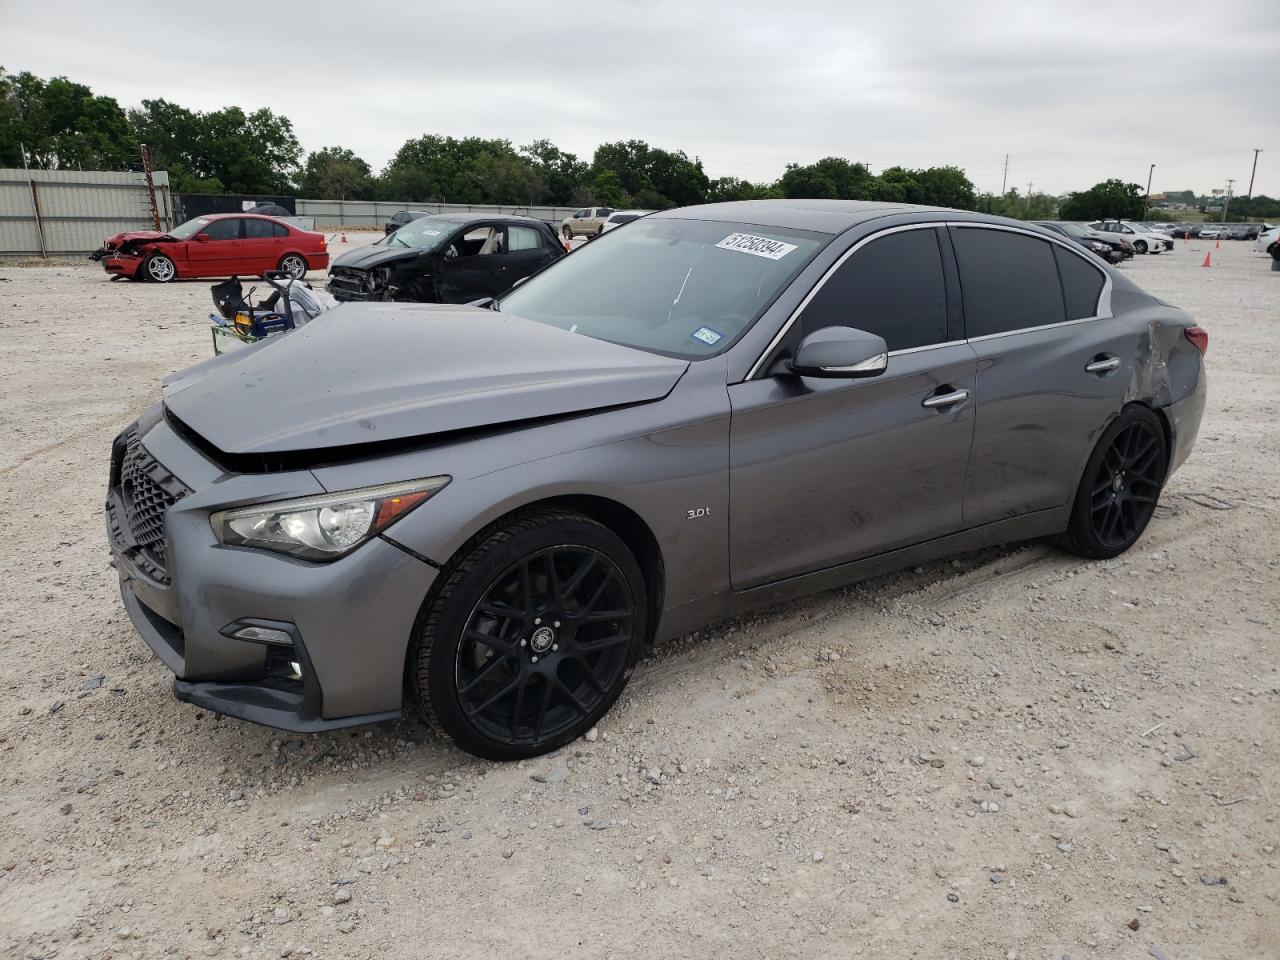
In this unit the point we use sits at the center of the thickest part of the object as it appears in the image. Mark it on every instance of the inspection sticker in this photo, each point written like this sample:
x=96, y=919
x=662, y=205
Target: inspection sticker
x=707, y=335
x=756, y=246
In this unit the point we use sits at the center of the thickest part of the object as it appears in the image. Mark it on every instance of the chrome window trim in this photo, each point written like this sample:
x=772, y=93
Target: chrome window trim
x=1103, y=306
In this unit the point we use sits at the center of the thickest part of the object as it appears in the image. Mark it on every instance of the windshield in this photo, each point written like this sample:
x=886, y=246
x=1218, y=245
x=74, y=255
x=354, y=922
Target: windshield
x=1138, y=227
x=189, y=229
x=684, y=288
x=425, y=233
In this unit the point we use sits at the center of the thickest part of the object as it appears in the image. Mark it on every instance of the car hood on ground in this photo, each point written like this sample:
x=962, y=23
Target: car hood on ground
x=375, y=255
x=375, y=372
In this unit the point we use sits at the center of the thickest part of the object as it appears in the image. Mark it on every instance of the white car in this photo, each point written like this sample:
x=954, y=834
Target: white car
x=1144, y=239
x=1269, y=235
x=1212, y=233
x=619, y=217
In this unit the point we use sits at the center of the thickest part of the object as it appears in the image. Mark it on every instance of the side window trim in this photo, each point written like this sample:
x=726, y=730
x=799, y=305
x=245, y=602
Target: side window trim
x=1103, y=307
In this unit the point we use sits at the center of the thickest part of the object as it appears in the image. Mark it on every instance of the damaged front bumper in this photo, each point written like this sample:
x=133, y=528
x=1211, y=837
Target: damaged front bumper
x=336, y=633
x=117, y=261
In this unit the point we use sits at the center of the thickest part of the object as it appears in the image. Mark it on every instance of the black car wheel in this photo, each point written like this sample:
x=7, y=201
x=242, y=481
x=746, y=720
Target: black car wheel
x=1121, y=486
x=532, y=636
x=159, y=268
x=567, y=233
x=1140, y=246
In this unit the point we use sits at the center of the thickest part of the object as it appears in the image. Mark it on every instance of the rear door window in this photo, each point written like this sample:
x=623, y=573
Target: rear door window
x=1082, y=284
x=894, y=287
x=523, y=238
x=258, y=229
x=1009, y=281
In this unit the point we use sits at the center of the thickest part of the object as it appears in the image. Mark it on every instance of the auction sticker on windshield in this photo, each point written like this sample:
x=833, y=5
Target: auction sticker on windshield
x=756, y=246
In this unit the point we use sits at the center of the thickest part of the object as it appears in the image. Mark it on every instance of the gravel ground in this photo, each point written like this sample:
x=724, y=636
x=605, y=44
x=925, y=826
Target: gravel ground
x=1009, y=754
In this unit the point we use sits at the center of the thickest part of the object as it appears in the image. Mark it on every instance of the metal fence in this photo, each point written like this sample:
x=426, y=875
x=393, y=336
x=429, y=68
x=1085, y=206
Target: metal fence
x=375, y=213
x=67, y=212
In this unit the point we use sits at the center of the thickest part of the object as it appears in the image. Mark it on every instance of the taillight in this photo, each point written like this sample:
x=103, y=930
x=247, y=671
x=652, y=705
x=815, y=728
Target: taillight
x=1199, y=338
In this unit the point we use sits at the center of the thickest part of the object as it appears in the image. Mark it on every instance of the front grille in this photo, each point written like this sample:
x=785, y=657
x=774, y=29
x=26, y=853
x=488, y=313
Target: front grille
x=141, y=491
x=348, y=284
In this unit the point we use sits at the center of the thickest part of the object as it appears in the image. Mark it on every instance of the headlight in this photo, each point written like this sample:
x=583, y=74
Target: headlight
x=323, y=527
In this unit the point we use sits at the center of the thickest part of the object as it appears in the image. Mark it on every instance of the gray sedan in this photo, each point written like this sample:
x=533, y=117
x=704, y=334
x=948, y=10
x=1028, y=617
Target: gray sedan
x=494, y=509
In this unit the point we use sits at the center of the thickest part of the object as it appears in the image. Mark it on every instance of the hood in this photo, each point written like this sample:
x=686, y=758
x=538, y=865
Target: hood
x=375, y=255
x=138, y=236
x=376, y=372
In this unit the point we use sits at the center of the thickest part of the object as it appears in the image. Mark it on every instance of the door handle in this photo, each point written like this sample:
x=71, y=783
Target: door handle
x=936, y=400
x=1102, y=365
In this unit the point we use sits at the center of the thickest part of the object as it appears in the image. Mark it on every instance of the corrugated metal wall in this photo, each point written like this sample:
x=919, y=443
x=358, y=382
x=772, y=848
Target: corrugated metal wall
x=77, y=209
x=375, y=213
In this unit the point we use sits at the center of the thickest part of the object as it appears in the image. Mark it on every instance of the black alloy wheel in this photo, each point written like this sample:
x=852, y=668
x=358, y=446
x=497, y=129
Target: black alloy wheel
x=533, y=636
x=1121, y=486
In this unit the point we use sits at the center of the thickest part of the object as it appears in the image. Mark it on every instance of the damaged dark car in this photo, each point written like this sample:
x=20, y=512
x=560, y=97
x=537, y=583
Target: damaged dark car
x=448, y=258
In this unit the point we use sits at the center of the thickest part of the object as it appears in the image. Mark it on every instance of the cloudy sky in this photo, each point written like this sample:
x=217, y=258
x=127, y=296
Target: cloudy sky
x=1073, y=91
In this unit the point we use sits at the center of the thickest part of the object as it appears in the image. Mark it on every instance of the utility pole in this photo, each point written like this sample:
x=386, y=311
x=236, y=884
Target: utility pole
x=1257, y=150
x=1226, y=204
x=1005, y=179
x=1028, y=207
x=1147, y=202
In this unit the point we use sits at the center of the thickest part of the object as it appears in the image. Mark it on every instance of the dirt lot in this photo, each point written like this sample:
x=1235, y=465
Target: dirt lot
x=1008, y=754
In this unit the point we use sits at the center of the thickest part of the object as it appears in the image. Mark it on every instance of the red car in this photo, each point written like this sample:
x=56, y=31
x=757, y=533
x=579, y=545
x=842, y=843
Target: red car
x=219, y=245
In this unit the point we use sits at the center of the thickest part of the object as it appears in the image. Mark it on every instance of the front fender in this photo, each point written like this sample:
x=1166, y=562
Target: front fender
x=665, y=461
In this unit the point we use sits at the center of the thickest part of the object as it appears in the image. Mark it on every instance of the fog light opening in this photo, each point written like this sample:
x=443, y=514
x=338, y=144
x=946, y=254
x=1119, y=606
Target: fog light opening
x=268, y=635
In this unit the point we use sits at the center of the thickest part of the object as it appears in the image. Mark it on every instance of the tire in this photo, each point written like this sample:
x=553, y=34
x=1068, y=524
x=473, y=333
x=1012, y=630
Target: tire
x=566, y=232
x=1140, y=246
x=159, y=268
x=293, y=264
x=1120, y=487
x=504, y=668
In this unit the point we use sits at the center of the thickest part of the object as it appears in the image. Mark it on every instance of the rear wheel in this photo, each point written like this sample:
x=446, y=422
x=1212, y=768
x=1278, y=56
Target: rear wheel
x=294, y=265
x=566, y=232
x=531, y=638
x=1120, y=487
x=159, y=268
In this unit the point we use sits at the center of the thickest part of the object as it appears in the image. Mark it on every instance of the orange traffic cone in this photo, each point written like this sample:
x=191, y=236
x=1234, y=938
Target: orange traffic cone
x=1186, y=237
x=1207, y=262
x=344, y=238
x=1217, y=244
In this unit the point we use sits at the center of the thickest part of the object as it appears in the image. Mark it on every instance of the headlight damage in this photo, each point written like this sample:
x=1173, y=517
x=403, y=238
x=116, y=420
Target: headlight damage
x=326, y=526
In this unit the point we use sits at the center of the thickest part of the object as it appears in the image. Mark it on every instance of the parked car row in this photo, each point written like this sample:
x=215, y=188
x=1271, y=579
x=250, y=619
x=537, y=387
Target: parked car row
x=1143, y=238
x=1110, y=247
x=1215, y=231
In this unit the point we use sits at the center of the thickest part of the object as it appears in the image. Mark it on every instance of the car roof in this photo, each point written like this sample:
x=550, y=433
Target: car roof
x=480, y=218
x=820, y=216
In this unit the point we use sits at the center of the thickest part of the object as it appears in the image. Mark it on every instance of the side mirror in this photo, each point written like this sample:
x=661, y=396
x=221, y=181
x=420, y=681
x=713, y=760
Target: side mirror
x=841, y=352
x=202, y=237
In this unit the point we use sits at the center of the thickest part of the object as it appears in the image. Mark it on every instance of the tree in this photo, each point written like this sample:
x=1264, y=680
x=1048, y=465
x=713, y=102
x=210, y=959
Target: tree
x=242, y=153
x=724, y=189
x=831, y=177
x=607, y=189
x=470, y=170
x=1109, y=200
x=561, y=173
x=335, y=173
x=62, y=124
x=1034, y=206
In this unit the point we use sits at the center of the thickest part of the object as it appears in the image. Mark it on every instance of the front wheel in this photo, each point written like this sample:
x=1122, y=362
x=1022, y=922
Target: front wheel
x=1140, y=246
x=1121, y=484
x=532, y=636
x=293, y=265
x=159, y=268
